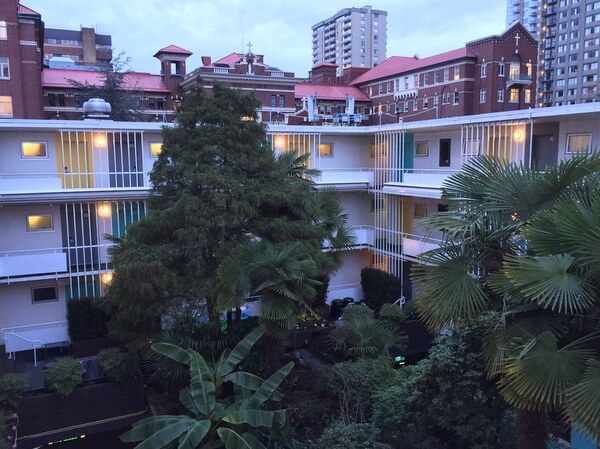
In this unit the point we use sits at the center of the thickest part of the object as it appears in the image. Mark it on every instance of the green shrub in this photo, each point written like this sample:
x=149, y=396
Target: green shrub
x=379, y=287
x=393, y=312
x=340, y=435
x=118, y=366
x=64, y=376
x=12, y=387
x=353, y=384
x=86, y=319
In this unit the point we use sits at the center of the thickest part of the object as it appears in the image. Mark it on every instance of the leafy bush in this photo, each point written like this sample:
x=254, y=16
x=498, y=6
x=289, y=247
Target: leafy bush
x=379, y=287
x=340, y=435
x=446, y=400
x=353, y=384
x=118, y=366
x=64, y=376
x=360, y=335
x=86, y=319
x=12, y=387
x=393, y=312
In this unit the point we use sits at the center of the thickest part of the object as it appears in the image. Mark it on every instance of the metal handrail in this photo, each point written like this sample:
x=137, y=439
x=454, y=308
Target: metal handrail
x=33, y=344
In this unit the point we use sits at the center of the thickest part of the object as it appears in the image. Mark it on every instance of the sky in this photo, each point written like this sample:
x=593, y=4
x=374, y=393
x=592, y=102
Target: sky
x=278, y=29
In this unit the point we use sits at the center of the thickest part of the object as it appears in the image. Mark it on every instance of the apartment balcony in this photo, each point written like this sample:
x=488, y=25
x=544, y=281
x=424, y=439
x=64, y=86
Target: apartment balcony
x=422, y=183
x=413, y=246
x=51, y=262
x=518, y=80
x=362, y=236
x=345, y=178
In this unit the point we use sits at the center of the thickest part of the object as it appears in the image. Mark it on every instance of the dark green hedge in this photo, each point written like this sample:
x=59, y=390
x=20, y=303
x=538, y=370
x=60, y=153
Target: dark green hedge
x=86, y=319
x=379, y=287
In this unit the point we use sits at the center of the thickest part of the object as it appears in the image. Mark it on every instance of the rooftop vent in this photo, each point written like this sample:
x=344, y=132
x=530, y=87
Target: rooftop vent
x=96, y=108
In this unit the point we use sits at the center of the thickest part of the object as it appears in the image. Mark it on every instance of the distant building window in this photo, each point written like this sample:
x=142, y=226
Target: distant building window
x=455, y=97
x=61, y=100
x=43, y=294
x=34, y=150
x=422, y=149
x=527, y=96
x=500, y=95
x=484, y=70
x=514, y=95
x=3, y=35
x=5, y=106
x=281, y=101
x=501, y=68
x=326, y=149
x=155, y=149
x=579, y=143
x=160, y=103
x=446, y=74
x=39, y=222
x=4, y=69
x=273, y=101
x=456, y=72
x=482, y=96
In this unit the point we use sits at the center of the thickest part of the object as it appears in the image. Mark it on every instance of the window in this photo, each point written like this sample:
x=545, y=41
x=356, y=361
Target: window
x=422, y=149
x=482, y=96
x=471, y=147
x=273, y=101
x=155, y=149
x=5, y=106
x=527, y=96
x=420, y=210
x=455, y=97
x=4, y=69
x=3, y=35
x=579, y=143
x=34, y=150
x=514, y=95
x=281, y=101
x=500, y=95
x=43, y=294
x=484, y=70
x=39, y=222
x=436, y=76
x=425, y=103
x=326, y=149
x=456, y=72
x=501, y=68
x=446, y=74
x=426, y=79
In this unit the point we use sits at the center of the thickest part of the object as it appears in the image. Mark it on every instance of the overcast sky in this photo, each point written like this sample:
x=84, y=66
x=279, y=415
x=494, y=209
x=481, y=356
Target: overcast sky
x=279, y=29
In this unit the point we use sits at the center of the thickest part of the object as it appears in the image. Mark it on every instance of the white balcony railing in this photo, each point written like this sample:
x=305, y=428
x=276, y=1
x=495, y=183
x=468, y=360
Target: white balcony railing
x=32, y=262
x=345, y=176
x=34, y=336
x=53, y=182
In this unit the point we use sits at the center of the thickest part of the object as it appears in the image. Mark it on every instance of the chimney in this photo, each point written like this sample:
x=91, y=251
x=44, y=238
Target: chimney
x=206, y=60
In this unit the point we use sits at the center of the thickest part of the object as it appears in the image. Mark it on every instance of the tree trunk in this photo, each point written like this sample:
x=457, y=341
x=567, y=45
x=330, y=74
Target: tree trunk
x=531, y=430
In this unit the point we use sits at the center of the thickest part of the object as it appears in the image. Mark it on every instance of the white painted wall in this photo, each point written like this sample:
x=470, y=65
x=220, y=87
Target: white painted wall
x=357, y=205
x=348, y=152
x=10, y=153
x=14, y=235
x=432, y=160
x=18, y=309
x=346, y=281
x=581, y=125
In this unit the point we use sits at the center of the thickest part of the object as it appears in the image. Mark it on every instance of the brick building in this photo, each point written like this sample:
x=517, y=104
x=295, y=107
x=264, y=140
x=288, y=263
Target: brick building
x=83, y=47
x=273, y=87
x=491, y=74
x=21, y=31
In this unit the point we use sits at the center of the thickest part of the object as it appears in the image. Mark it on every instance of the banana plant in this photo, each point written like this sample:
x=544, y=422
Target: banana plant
x=213, y=420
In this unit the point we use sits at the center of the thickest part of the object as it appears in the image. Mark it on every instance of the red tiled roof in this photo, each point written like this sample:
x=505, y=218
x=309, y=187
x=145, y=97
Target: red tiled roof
x=144, y=82
x=173, y=49
x=231, y=59
x=325, y=64
x=401, y=64
x=326, y=92
x=25, y=10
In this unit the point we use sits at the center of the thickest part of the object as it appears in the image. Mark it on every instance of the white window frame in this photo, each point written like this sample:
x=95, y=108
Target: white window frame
x=422, y=148
x=569, y=150
x=322, y=147
x=33, y=301
x=6, y=109
x=30, y=229
x=41, y=142
x=471, y=147
x=3, y=31
x=4, y=67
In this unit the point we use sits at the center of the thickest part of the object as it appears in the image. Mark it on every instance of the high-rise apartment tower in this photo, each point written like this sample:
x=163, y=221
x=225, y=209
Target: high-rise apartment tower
x=354, y=37
x=525, y=12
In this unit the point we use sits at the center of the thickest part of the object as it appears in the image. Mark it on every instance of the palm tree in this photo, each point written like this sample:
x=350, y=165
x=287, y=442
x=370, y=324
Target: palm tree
x=212, y=420
x=524, y=243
